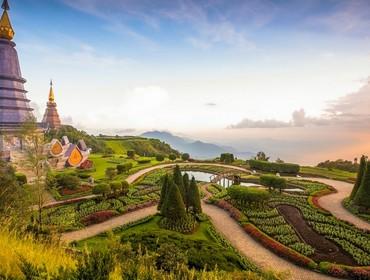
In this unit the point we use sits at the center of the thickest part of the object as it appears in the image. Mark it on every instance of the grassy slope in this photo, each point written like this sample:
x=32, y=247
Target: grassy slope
x=334, y=174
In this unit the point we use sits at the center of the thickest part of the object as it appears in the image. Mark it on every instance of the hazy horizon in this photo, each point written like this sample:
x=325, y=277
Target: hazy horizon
x=287, y=77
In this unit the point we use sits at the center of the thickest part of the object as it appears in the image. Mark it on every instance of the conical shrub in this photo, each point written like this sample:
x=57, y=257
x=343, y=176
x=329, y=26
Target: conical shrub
x=362, y=197
x=360, y=174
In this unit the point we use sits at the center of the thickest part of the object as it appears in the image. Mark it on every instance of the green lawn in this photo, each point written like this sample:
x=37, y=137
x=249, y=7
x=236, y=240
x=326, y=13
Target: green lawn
x=334, y=174
x=116, y=146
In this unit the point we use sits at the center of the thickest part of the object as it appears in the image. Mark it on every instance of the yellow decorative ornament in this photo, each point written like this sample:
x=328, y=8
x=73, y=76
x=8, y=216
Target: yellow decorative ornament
x=6, y=29
x=51, y=93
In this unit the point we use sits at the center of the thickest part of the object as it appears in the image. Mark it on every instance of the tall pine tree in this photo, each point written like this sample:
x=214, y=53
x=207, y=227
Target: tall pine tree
x=177, y=177
x=164, y=191
x=362, y=197
x=194, y=197
x=360, y=174
x=173, y=207
x=186, y=183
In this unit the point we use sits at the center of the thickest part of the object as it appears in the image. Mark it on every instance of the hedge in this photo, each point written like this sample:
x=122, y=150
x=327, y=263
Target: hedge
x=287, y=168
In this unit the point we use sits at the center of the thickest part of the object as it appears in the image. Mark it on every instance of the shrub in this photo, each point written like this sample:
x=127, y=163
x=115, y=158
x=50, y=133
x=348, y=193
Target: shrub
x=103, y=189
x=159, y=157
x=68, y=181
x=234, y=213
x=110, y=173
x=185, y=157
x=362, y=197
x=115, y=186
x=227, y=158
x=288, y=168
x=124, y=168
x=131, y=154
x=98, y=217
x=172, y=157
x=245, y=195
x=125, y=187
x=273, y=182
x=144, y=160
x=360, y=174
x=21, y=179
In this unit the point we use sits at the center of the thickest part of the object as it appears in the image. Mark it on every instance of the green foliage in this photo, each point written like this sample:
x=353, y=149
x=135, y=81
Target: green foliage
x=144, y=160
x=98, y=146
x=227, y=158
x=273, y=182
x=102, y=188
x=186, y=184
x=164, y=192
x=244, y=195
x=21, y=178
x=340, y=164
x=194, y=197
x=173, y=207
x=67, y=180
x=110, y=173
x=159, y=157
x=274, y=167
x=360, y=174
x=131, y=154
x=261, y=156
x=362, y=197
x=334, y=174
x=96, y=265
x=172, y=157
x=169, y=256
x=185, y=157
x=124, y=168
x=178, y=180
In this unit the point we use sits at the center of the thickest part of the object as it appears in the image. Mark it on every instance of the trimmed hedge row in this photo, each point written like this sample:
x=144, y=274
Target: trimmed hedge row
x=274, y=167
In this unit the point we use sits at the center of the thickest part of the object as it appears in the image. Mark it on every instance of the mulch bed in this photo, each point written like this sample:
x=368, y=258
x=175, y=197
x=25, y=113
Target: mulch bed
x=325, y=250
x=81, y=189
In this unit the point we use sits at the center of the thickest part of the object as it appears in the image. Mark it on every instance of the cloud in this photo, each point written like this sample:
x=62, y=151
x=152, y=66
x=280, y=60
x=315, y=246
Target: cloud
x=124, y=131
x=67, y=120
x=270, y=123
x=210, y=104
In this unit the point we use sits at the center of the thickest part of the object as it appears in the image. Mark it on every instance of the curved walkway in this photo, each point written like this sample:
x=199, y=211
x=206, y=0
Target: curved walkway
x=333, y=202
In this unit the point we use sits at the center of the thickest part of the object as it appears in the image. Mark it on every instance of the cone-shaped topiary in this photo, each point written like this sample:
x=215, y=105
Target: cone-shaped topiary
x=362, y=197
x=164, y=191
x=173, y=207
x=177, y=177
x=360, y=174
x=186, y=183
x=194, y=197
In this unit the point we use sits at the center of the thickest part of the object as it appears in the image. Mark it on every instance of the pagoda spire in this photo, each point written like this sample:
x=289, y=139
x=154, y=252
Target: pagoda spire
x=51, y=92
x=6, y=29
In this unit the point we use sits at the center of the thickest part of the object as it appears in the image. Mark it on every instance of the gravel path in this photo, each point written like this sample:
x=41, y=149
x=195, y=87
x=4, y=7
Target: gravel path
x=333, y=202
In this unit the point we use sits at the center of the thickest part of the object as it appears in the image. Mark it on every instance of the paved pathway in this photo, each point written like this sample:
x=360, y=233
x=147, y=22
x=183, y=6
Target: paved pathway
x=333, y=202
x=93, y=230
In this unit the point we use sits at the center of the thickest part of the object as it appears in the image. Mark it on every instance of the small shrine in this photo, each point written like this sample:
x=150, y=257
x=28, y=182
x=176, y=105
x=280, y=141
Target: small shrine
x=63, y=154
x=51, y=118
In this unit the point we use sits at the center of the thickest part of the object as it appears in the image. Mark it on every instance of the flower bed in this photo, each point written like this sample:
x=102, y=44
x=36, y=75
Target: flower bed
x=234, y=213
x=278, y=248
x=98, y=217
x=342, y=271
x=313, y=199
x=81, y=189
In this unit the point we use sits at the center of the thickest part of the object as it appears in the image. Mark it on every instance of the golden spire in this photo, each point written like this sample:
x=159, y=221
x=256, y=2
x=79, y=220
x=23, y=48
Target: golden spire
x=51, y=92
x=6, y=29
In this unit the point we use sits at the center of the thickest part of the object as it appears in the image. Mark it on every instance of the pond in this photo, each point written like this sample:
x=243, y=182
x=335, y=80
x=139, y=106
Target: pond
x=206, y=177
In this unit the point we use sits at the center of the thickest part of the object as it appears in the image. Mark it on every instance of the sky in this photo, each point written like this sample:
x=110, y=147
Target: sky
x=289, y=77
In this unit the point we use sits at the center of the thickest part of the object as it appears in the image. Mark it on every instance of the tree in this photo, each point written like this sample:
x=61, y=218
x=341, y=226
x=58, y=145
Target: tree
x=164, y=191
x=186, y=183
x=273, y=182
x=131, y=154
x=102, y=189
x=227, y=158
x=110, y=173
x=185, y=157
x=159, y=157
x=125, y=186
x=194, y=197
x=36, y=161
x=124, y=168
x=172, y=157
x=177, y=178
x=68, y=181
x=261, y=156
x=360, y=175
x=173, y=207
x=279, y=160
x=362, y=197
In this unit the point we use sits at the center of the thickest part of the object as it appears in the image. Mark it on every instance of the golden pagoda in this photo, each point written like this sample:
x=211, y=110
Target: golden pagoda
x=51, y=118
x=6, y=29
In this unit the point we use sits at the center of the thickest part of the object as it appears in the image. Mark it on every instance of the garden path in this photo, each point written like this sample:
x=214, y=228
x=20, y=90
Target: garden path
x=333, y=202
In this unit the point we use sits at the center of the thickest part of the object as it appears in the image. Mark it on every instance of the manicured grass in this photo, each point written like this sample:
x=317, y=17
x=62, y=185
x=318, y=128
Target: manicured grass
x=355, y=210
x=334, y=174
x=116, y=146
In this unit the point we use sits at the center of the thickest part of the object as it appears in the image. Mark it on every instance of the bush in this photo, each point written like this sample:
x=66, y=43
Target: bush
x=159, y=157
x=115, y=186
x=227, y=158
x=103, y=189
x=110, y=173
x=98, y=217
x=245, y=195
x=68, y=181
x=287, y=168
x=172, y=157
x=21, y=178
x=131, y=154
x=185, y=157
x=124, y=168
x=273, y=182
x=144, y=160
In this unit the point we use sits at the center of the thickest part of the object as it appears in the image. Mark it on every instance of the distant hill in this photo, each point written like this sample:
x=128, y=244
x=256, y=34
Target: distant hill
x=142, y=146
x=196, y=149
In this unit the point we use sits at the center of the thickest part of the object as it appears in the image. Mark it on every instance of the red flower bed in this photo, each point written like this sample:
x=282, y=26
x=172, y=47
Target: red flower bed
x=279, y=248
x=98, y=217
x=234, y=213
x=135, y=207
x=66, y=191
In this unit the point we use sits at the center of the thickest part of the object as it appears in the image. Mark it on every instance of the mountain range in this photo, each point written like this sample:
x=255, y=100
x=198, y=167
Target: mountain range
x=196, y=148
